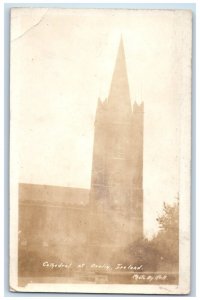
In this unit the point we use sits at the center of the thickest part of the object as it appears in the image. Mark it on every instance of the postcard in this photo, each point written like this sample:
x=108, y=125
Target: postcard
x=100, y=138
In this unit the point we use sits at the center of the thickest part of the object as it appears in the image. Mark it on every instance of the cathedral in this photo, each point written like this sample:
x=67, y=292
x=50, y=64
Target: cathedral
x=61, y=222
x=116, y=195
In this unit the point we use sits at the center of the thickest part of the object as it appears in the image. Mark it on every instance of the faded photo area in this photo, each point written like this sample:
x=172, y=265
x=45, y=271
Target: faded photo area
x=99, y=103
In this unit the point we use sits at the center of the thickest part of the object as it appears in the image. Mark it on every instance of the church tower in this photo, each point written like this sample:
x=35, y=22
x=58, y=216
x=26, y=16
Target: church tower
x=116, y=196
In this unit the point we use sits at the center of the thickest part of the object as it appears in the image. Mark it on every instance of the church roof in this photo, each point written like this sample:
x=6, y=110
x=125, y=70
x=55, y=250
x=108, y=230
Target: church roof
x=52, y=195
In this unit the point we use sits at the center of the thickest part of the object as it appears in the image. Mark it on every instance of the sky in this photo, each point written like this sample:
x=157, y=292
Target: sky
x=62, y=61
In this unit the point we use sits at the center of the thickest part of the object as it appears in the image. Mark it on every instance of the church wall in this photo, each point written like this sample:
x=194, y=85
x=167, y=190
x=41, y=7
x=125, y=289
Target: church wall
x=50, y=232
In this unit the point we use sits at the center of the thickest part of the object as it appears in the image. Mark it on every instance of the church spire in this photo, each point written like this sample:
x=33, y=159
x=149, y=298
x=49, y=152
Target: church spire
x=119, y=97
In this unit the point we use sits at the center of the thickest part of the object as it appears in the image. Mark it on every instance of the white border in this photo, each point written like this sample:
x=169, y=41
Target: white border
x=2, y=148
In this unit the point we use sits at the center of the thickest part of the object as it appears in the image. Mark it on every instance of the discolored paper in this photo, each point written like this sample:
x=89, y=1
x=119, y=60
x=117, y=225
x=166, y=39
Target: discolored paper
x=100, y=150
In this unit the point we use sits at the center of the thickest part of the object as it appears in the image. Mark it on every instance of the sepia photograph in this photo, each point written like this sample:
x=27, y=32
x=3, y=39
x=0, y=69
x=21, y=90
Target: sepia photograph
x=100, y=105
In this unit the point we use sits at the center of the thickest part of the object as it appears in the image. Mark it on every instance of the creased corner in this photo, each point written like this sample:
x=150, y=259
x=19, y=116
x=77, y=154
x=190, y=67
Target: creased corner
x=31, y=27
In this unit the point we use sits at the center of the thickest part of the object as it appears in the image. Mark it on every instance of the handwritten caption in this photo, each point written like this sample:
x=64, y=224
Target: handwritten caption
x=105, y=267
x=137, y=272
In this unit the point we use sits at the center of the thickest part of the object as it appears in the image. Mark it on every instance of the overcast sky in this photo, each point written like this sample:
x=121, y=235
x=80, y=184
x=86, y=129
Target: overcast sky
x=62, y=61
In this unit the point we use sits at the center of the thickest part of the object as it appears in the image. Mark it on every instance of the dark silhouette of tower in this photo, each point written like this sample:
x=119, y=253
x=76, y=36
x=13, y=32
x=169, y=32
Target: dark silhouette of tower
x=116, y=195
